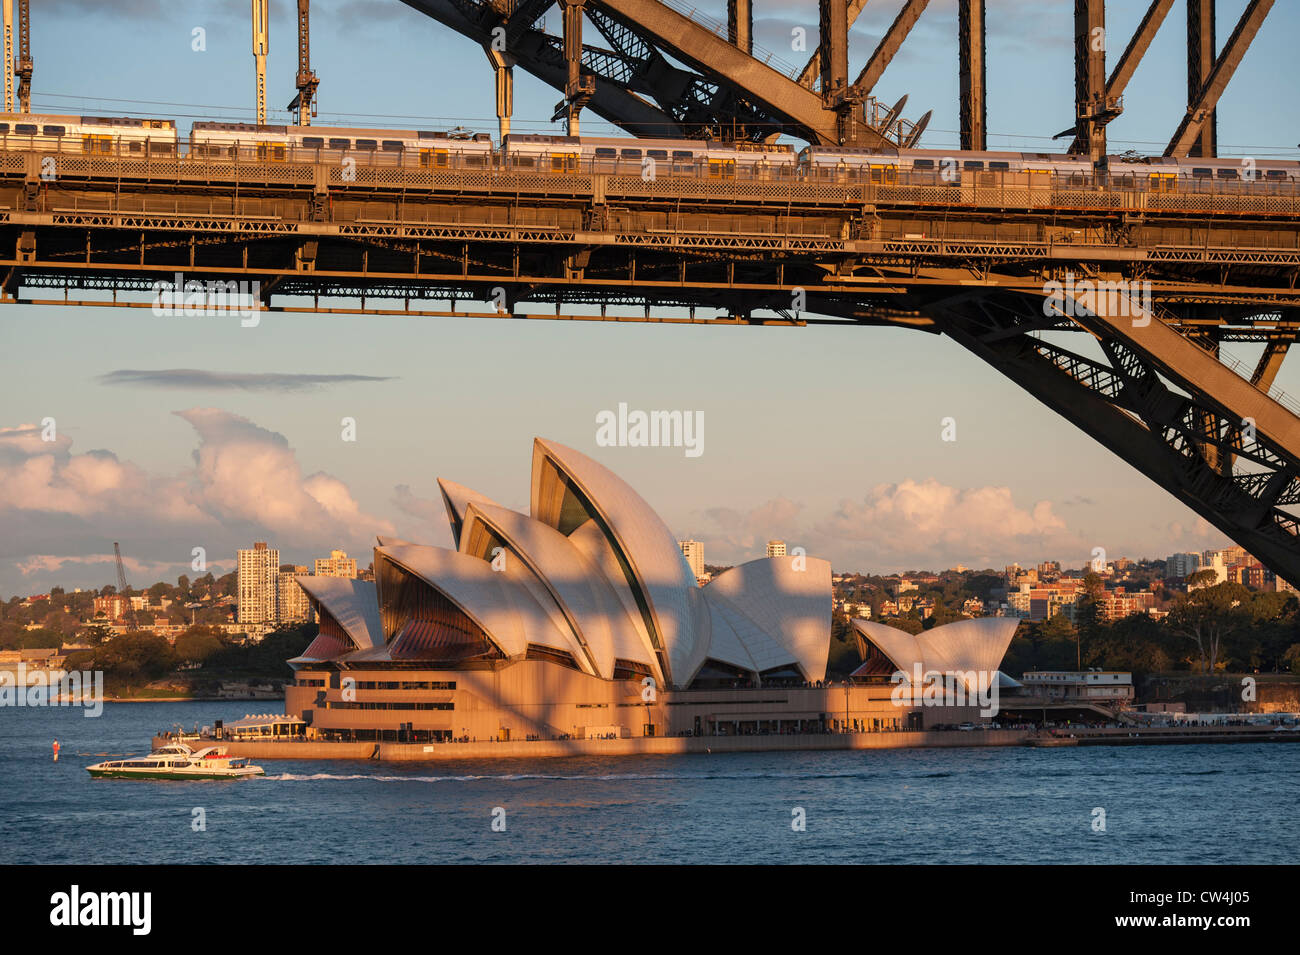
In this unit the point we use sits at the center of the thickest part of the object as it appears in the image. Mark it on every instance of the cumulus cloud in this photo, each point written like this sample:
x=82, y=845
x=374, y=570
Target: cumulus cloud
x=228, y=380
x=913, y=523
x=62, y=510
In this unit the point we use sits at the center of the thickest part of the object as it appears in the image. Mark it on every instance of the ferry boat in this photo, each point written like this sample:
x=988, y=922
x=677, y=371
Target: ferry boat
x=178, y=761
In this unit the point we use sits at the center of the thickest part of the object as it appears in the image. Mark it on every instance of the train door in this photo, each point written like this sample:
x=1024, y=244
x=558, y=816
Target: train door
x=884, y=175
x=564, y=163
x=272, y=152
x=435, y=158
x=1162, y=182
x=722, y=169
x=95, y=145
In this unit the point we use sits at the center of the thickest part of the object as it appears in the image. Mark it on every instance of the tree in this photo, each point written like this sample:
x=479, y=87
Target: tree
x=96, y=634
x=1208, y=615
x=198, y=644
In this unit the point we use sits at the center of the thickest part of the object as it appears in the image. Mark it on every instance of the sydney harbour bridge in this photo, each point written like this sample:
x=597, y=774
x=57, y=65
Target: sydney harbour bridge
x=999, y=266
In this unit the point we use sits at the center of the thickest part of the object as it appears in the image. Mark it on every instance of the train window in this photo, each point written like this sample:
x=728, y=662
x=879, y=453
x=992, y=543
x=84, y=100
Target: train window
x=657, y=153
x=683, y=155
x=524, y=162
x=1227, y=173
x=974, y=164
x=393, y=146
x=161, y=147
x=1201, y=172
x=313, y=142
x=27, y=129
x=564, y=162
x=4, y=129
x=997, y=166
x=1274, y=174
x=54, y=130
x=473, y=159
x=136, y=147
x=367, y=144
x=340, y=143
x=923, y=164
x=275, y=152
x=630, y=154
x=606, y=152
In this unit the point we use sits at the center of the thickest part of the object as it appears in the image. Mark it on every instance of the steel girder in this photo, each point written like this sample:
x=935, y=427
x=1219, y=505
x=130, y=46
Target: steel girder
x=1185, y=443
x=542, y=55
x=637, y=88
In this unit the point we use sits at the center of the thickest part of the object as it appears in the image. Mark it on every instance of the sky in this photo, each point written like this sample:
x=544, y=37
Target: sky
x=172, y=434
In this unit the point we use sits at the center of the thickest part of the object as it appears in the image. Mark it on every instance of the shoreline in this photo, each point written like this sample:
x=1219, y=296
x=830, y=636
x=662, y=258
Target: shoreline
x=675, y=745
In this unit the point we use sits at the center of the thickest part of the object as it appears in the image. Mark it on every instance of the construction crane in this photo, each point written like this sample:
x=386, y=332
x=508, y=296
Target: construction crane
x=23, y=66
x=127, y=611
x=260, y=44
x=304, y=104
x=9, y=55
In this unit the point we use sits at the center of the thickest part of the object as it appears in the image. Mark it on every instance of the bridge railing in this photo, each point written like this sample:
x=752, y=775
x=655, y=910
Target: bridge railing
x=593, y=181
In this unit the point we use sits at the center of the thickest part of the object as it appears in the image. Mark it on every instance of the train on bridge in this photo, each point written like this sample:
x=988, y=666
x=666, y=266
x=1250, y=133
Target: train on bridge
x=218, y=142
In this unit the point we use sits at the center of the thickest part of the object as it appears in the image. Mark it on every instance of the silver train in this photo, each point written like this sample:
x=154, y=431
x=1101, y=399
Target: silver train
x=660, y=158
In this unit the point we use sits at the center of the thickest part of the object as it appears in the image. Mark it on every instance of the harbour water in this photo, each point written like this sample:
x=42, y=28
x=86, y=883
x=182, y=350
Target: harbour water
x=1208, y=803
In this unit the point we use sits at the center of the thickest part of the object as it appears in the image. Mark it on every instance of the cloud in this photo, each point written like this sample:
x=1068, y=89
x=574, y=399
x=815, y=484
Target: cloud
x=62, y=510
x=228, y=380
x=913, y=523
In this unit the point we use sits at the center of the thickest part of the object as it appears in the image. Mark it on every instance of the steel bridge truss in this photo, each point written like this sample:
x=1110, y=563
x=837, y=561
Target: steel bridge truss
x=1218, y=462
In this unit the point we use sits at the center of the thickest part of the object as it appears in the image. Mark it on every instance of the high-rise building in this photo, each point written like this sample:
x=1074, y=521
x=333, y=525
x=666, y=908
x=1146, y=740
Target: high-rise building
x=693, y=551
x=1182, y=565
x=338, y=564
x=776, y=548
x=258, y=584
x=293, y=605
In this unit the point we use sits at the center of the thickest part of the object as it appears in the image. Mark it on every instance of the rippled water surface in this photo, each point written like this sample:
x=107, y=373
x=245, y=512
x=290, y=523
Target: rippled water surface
x=1187, y=804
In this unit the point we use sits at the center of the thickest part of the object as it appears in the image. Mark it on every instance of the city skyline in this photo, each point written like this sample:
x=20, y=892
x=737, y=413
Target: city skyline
x=212, y=434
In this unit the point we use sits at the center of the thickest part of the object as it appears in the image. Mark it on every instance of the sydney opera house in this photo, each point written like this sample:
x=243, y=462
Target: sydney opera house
x=583, y=619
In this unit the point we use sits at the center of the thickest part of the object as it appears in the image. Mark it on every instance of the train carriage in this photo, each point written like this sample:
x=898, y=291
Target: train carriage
x=330, y=144
x=88, y=135
x=657, y=158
